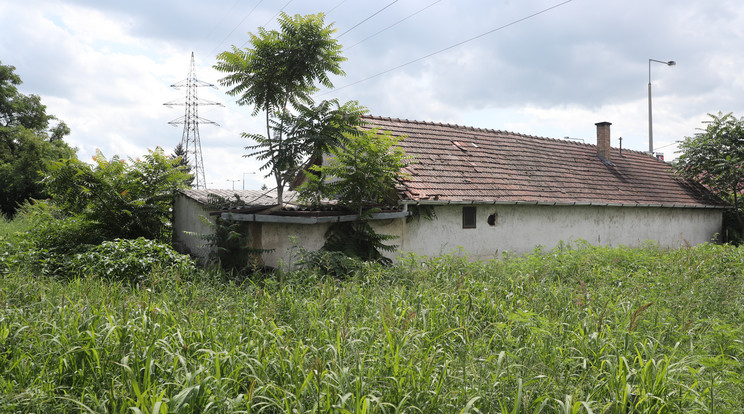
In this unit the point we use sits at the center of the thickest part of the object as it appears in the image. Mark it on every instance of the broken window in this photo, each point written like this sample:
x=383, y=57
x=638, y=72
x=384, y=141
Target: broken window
x=468, y=217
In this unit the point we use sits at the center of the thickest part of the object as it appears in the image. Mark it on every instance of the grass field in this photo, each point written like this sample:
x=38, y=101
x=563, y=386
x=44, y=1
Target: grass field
x=577, y=329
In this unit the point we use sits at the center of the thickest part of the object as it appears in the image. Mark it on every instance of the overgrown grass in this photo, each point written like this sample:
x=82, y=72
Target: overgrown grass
x=581, y=329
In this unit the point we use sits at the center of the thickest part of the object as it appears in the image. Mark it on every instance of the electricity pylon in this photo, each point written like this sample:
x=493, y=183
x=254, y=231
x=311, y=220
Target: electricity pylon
x=190, y=139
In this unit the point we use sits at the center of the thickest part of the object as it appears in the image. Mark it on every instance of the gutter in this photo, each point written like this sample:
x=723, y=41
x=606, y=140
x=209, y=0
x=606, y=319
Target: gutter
x=268, y=218
x=406, y=203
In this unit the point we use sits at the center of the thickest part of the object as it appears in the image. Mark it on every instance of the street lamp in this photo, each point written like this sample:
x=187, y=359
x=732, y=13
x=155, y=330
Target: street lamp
x=650, y=122
x=233, y=183
x=244, y=178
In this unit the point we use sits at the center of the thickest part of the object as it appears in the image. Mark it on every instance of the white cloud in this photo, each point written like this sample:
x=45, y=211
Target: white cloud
x=105, y=67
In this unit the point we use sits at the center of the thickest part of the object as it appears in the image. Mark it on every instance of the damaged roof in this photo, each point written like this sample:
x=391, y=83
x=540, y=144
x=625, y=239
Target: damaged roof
x=453, y=163
x=248, y=197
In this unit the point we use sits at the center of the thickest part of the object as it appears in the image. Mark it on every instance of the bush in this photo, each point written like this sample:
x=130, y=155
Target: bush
x=131, y=260
x=331, y=263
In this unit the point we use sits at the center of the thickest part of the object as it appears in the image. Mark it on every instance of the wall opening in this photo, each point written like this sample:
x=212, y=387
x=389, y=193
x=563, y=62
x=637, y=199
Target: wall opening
x=468, y=217
x=493, y=219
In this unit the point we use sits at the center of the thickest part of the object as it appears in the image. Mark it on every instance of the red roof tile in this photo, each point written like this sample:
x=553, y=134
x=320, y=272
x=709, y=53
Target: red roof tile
x=453, y=163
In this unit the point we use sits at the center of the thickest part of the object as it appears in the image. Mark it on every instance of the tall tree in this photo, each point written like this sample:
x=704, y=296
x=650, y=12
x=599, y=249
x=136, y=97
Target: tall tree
x=28, y=143
x=714, y=157
x=277, y=74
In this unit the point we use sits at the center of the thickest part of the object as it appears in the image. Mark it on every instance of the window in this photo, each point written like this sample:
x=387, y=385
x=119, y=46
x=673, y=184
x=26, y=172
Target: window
x=468, y=217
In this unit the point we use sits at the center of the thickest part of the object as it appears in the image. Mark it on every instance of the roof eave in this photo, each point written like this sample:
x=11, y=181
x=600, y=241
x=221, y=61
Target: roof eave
x=559, y=203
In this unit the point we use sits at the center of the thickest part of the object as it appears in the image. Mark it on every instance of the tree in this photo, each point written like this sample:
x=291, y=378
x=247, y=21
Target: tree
x=179, y=153
x=278, y=73
x=27, y=143
x=714, y=157
x=310, y=133
x=361, y=175
x=124, y=200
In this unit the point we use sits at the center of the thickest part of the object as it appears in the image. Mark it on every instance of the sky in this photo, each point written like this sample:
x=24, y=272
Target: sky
x=550, y=68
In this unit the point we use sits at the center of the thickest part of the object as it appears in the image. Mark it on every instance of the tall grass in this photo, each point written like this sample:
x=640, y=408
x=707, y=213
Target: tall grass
x=576, y=329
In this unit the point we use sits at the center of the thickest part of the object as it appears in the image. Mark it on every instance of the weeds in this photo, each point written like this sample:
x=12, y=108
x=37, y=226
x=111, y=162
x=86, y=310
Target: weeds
x=579, y=329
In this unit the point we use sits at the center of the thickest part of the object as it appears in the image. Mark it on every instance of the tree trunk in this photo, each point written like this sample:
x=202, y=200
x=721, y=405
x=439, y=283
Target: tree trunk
x=279, y=190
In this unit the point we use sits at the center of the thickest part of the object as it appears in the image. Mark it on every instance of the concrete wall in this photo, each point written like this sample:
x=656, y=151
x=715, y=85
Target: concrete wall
x=521, y=228
x=286, y=238
x=187, y=220
x=516, y=228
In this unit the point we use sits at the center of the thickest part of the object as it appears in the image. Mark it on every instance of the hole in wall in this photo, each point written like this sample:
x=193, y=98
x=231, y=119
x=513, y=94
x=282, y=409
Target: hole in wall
x=493, y=219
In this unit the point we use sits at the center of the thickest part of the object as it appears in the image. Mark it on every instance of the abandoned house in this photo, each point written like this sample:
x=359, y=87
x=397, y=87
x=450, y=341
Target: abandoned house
x=491, y=192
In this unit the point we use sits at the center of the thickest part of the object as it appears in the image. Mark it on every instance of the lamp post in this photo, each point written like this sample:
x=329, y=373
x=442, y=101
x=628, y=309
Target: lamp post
x=233, y=183
x=650, y=121
x=244, y=178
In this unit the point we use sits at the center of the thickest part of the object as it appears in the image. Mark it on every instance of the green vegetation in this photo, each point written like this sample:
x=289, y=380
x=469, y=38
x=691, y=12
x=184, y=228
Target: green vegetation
x=119, y=199
x=576, y=329
x=714, y=157
x=28, y=143
x=278, y=73
x=361, y=175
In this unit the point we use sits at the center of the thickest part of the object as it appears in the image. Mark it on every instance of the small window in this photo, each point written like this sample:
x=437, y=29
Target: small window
x=468, y=217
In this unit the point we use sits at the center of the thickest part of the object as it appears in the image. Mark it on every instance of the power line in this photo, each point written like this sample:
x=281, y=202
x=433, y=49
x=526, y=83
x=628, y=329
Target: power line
x=335, y=7
x=236, y=27
x=664, y=146
x=394, y=24
x=277, y=13
x=373, y=15
x=214, y=27
x=270, y=20
x=449, y=47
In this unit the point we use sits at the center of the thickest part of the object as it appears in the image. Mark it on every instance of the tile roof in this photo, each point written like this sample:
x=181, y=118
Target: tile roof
x=455, y=163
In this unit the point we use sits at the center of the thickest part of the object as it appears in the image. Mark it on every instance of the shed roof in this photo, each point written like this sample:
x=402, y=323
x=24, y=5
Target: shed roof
x=249, y=197
x=454, y=163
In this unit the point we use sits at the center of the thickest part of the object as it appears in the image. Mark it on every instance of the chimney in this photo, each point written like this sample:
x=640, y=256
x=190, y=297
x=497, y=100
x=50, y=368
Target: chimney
x=603, y=140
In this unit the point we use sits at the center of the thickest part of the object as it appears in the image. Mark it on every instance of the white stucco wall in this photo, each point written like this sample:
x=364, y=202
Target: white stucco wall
x=187, y=220
x=521, y=228
x=517, y=229
x=279, y=236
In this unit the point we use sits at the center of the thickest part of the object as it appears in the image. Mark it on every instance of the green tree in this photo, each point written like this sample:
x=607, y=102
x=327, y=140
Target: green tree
x=309, y=133
x=28, y=143
x=714, y=157
x=179, y=152
x=361, y=175
x=279, y=73
x=123, y=199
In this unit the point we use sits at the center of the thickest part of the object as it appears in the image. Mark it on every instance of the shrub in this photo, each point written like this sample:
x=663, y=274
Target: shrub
x=331, y=263
x=131, y=260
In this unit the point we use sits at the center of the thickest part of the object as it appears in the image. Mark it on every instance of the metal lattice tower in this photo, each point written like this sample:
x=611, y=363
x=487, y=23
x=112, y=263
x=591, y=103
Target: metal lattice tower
x=190, y=139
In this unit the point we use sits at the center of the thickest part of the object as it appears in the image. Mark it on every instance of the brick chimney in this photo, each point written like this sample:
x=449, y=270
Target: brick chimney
x=603, y=140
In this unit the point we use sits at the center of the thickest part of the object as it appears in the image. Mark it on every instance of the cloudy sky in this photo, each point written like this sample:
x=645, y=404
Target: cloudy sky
x=543, y=67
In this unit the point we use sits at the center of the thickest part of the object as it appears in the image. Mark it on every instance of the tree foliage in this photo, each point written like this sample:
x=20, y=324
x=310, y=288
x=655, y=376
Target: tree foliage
x=310, y=133
x=180, y=153
x=277, y=74
x=361, y=175
x=714, y=157
x=125, y=199
x=28, y=143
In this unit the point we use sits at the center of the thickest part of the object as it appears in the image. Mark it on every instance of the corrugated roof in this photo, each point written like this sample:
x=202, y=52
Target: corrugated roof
x=455, y=163
x=249, y=197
